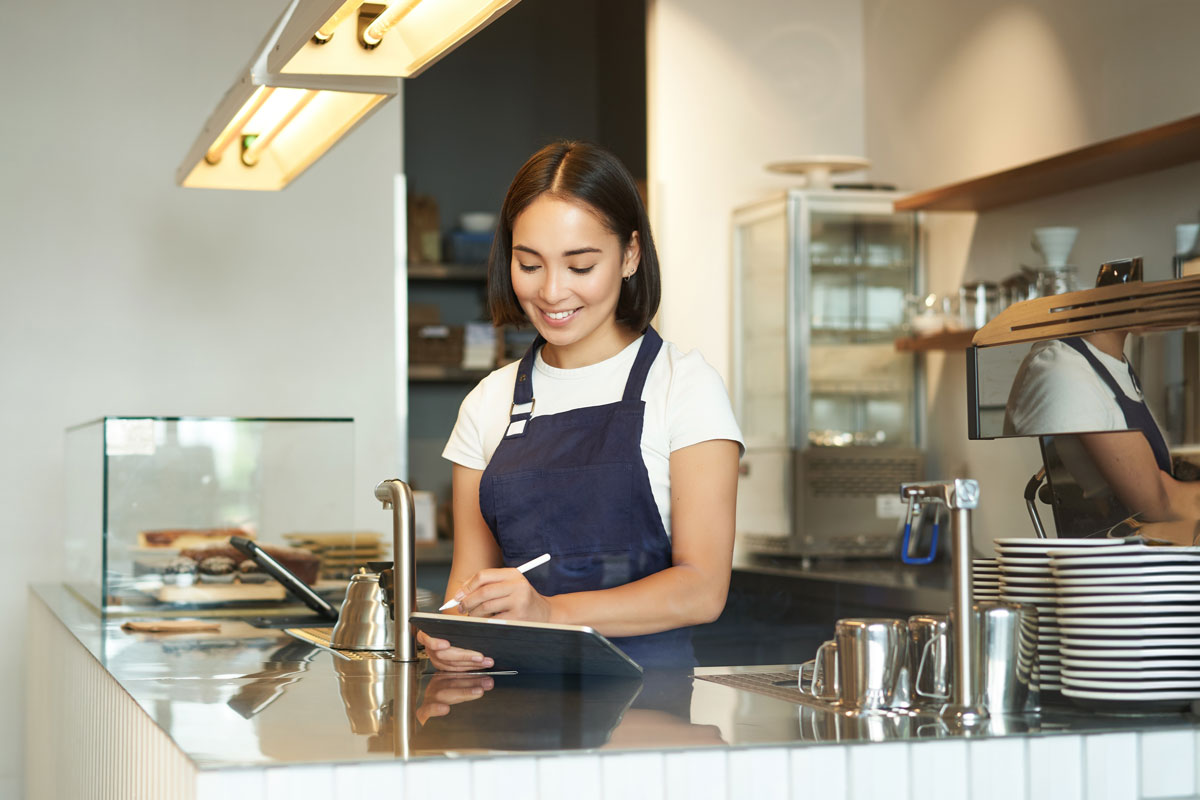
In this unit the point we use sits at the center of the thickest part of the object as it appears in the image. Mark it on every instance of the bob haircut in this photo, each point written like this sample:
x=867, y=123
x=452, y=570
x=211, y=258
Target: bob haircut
x=590, y=175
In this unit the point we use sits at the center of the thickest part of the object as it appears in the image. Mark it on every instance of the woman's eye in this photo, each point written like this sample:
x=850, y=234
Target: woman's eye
x=528, y=267
x=582, y=270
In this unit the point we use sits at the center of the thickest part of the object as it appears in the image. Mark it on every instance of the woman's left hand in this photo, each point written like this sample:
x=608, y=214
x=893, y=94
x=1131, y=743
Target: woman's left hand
x=502, y=593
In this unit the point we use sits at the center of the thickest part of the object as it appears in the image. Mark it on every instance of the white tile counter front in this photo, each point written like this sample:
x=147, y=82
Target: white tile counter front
x=107, y=722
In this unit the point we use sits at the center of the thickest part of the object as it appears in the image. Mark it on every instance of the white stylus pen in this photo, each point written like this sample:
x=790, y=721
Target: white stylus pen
x=528, y=565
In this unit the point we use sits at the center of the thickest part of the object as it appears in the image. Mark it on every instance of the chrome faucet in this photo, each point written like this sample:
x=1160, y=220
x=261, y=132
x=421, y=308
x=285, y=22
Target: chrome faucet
x=396, y=495
x=960, y=496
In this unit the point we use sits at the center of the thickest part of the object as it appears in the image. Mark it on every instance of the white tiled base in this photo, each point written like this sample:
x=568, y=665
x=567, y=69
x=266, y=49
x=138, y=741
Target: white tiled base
x=139, y=760
x=1155, y=765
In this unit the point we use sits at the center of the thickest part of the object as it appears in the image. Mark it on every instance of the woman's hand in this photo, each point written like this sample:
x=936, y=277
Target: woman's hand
x=502, y=593
x=447, y=658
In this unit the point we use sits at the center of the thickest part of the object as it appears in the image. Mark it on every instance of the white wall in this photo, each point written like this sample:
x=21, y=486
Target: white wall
x=732, y=87
x=958, y=89
x=123, y=294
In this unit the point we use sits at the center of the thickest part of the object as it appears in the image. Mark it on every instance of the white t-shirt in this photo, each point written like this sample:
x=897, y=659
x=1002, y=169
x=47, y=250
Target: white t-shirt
x=686, y=403
x=1057, y=391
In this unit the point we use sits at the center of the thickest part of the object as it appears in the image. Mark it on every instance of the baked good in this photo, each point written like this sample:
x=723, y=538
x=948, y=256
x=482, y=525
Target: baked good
x=250, y=572
x=302, y=563
x=189, y=537
x=179, y=572
x=216, y=569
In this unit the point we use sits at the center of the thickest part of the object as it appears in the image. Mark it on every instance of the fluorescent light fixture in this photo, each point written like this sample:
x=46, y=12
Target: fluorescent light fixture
x=269, y=128
x=399, y=39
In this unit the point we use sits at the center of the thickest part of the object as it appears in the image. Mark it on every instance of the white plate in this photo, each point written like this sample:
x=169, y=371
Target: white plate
x=1136, y=549
x=1057, y=544
x=1119, y=577
x=1126, y=588
x=1138, y=568
x=1191, y=651
x=1137, y=637
x=1027, y=580
x=1018, y=570
x=1022, y=561
x=1111, y=558
x=1159, y=624
x=1129, y=696
x=1191, y=601
x=1160, y=615
x=1187, y=675
x=1132, y=665
x=1133, y=683
x=1027, y=591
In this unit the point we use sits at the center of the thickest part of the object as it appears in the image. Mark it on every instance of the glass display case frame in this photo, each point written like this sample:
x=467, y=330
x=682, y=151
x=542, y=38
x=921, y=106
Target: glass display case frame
x=831, y=413
x=141, y=489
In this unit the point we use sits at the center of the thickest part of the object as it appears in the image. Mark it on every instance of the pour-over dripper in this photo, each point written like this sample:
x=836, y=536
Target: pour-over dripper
x=1055, y=244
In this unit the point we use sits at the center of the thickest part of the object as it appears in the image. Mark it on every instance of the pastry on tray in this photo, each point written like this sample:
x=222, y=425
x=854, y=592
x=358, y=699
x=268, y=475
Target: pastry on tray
x=250, y=572
x=179, y=572
x=302, y=563
x=189, y=537
x=217, y=569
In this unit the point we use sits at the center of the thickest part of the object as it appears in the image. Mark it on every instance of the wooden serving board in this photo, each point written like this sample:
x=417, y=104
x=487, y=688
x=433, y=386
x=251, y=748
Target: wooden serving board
x=1139, y=306
x=221, y=592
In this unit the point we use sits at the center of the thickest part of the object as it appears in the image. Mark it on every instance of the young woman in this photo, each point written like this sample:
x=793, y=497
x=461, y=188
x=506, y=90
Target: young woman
x=607, y=448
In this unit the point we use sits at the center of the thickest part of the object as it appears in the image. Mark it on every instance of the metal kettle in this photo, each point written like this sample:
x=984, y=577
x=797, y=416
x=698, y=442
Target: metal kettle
x=366, y=621
x=379, y=602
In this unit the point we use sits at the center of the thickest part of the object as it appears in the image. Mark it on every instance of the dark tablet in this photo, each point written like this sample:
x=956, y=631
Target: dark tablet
x=531, y=646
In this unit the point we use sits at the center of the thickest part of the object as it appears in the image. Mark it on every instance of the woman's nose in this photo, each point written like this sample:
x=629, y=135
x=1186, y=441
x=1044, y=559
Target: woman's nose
x=553, y=287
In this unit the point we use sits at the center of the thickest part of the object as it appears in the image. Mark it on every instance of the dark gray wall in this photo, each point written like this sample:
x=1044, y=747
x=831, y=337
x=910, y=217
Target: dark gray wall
x=545, y=70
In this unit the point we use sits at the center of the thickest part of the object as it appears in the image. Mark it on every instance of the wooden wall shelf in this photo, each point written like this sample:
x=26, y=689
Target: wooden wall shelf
x=946, y=340
x=1143, y=151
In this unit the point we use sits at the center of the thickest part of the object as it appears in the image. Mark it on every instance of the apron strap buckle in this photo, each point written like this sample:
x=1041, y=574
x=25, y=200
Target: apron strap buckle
x=519, y=415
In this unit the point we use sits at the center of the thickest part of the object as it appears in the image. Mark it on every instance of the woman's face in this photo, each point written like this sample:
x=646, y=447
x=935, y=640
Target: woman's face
x=567, y=269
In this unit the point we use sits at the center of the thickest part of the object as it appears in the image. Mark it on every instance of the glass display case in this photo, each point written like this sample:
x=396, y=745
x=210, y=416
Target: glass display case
x=829, y=409
x=143, y=493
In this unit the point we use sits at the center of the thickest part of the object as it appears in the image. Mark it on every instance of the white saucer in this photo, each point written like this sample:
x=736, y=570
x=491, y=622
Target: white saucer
x=1136, y=638
x=1079, y=577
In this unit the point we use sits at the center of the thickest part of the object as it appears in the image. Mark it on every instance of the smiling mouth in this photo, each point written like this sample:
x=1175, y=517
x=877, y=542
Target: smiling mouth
x=559, y=316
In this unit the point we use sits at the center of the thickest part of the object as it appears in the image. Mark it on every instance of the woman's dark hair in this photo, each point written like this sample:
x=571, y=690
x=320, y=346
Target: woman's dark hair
x=591, y=175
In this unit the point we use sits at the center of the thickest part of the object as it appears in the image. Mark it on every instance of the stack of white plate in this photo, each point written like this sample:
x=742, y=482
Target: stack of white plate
x=985, y=579
x=1025, y=577
x=1130, y=622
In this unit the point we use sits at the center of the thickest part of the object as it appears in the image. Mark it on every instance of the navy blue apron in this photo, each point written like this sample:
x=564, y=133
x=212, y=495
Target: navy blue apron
x=574, y=485
x=1137, y=415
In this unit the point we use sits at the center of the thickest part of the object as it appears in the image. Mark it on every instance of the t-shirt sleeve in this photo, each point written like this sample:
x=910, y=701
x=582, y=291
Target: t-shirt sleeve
x=465, y=446
x=698, y=407
x=1059, y=395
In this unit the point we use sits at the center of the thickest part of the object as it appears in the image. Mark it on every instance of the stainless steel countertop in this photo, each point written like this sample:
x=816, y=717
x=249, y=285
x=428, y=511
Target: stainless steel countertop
x=247, y=696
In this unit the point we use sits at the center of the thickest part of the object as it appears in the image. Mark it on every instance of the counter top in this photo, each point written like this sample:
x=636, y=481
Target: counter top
x=247, y=696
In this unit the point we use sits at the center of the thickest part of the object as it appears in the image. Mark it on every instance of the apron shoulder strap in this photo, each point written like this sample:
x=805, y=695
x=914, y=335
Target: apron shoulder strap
x=522, y=404
x=651, y=344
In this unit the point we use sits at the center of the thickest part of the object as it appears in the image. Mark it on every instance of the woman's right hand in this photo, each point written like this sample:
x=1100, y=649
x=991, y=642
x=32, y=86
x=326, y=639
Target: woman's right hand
x=447, y=658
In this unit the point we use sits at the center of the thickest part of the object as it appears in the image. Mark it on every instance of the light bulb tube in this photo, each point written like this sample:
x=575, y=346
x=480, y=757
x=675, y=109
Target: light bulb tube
x=251, y=154
x=234, y=128
x=375, y=32
x=325, y=32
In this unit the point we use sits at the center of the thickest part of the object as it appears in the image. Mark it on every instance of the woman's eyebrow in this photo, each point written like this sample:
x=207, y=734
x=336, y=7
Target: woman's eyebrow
x=576, y=252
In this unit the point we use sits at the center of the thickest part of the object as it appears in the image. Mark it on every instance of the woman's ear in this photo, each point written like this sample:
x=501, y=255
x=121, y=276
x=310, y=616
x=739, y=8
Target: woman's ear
x=633, y=256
